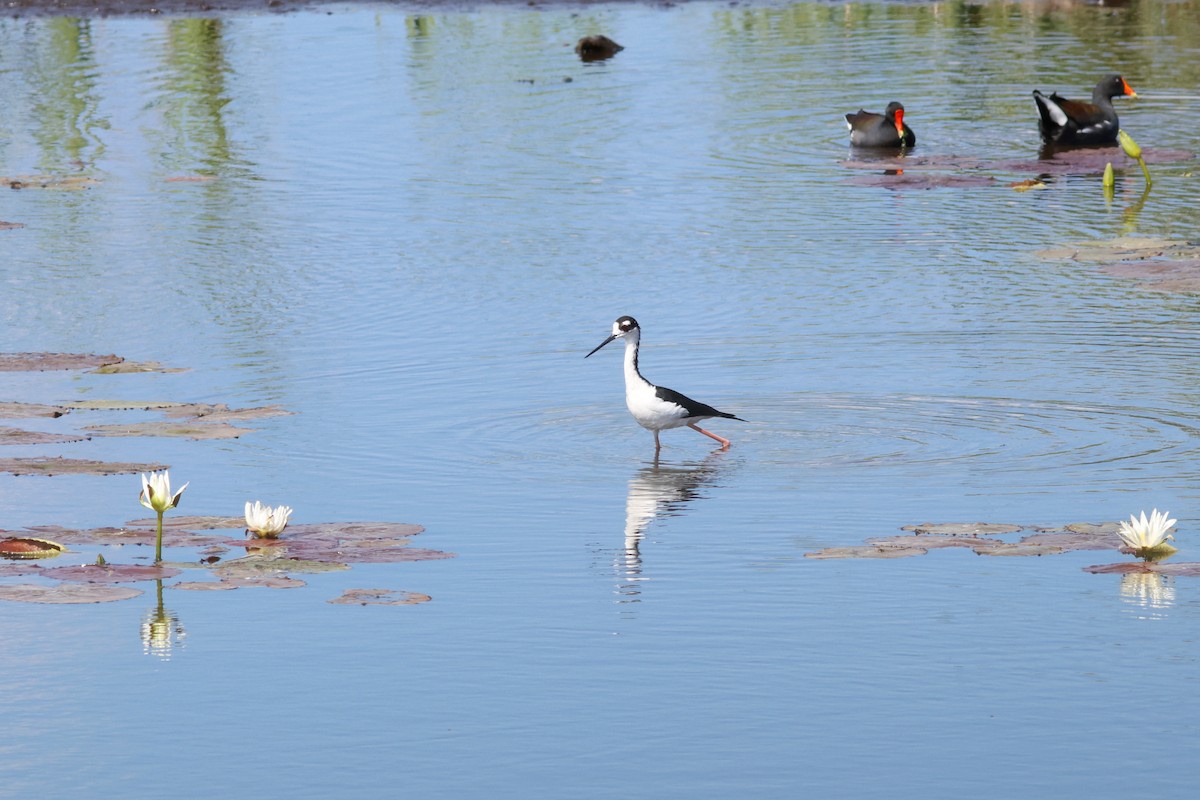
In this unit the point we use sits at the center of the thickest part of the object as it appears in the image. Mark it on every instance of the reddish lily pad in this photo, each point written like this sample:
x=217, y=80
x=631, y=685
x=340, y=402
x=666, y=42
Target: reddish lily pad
x=185, y=429
x=43, y=362
x=9, y=569
x=921, y=180
x=379, y=597
x=28, y=547
x=73, y=466
x=172, y=537
x=1182, y=569
x=67, y=593
x=27, y=410
x=195, y=523
x=10, y=226
x=110, y=573
x=18, y=436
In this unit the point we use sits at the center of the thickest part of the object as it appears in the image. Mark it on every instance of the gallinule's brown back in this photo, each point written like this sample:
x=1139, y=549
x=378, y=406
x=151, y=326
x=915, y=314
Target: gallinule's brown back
x=1068, y=122
x=868, y=129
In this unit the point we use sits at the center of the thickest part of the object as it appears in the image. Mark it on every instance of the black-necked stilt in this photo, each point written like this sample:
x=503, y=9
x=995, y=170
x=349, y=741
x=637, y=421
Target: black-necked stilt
x=657, y=408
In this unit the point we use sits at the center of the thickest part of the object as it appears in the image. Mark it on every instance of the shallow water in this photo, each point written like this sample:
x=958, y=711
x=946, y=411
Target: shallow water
x=410, y=227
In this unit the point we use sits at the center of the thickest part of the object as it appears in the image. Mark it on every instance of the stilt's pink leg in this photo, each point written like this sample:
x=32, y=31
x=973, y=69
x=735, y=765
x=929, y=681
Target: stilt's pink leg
x=724, y=442
x=657, y=443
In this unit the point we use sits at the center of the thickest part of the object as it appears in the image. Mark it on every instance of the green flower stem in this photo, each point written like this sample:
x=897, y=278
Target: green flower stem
x=158, y=540
x=1145, y=171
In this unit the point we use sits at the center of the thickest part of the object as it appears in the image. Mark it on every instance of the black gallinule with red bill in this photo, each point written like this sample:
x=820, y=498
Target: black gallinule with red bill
x=868, y=129
x=1068, y=122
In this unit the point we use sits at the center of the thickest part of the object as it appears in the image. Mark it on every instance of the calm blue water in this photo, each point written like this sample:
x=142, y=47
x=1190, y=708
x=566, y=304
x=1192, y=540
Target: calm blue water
x=417, y=226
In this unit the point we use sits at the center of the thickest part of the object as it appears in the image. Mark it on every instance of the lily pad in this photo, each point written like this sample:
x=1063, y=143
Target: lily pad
x=962, y=528
x=185, y=429
x=67, y=593
x=204, y=586
x=1022, y=548
x=73, y=466
x=223, y=413
x=10, y=226
x=866, y=552
x=28, y=410
x=129, y=367
x=196, y=523
x=44, y=362
x=256, y=566
x=59, y=182
x=379, y=597
x=110, y=573
x=18, y=436
x=123, y=405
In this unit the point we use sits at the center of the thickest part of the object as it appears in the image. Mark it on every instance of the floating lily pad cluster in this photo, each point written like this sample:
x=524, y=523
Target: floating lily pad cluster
x=950, y=171
x=226, y=560
x=1166, y=265
x=187, y=420
x=1000, y=539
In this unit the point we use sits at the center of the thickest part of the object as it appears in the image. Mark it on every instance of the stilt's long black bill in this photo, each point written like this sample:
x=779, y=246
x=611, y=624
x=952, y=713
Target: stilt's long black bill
x=606, y=341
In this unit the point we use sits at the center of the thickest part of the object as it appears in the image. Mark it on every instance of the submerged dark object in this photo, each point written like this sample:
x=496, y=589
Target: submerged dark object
x=868, y=129
x=597, y=48
x=1074, y=122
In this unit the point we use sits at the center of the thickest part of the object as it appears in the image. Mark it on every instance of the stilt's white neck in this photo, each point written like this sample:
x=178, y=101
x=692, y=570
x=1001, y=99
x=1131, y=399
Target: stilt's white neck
x=632, y=375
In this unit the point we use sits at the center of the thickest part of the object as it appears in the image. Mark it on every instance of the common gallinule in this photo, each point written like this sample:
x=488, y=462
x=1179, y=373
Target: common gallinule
x=880, y=130
x=1064, y=121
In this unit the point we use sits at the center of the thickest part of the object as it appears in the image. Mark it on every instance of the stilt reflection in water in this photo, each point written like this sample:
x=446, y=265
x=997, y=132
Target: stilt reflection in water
x=658, y=490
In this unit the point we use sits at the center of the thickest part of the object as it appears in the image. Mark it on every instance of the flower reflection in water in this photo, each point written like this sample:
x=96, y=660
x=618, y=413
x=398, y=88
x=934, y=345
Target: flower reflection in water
x=161, y=630
x=1148, y=593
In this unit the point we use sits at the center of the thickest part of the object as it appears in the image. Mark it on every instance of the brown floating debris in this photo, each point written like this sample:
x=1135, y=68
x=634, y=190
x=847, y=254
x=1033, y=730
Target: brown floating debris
x=43, y=362
x=596, y=48
x=10, y=226
x=73, y=466
x=379, y=597
x=61, y=182
x=67, y=593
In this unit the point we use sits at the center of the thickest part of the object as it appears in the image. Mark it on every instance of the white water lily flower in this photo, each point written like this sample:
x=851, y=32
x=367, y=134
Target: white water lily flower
x=1146, y=534
x=266, y=521
x=156, y=491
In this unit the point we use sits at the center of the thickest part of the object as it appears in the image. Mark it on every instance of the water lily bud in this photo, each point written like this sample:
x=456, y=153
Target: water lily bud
x=1130, y=147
